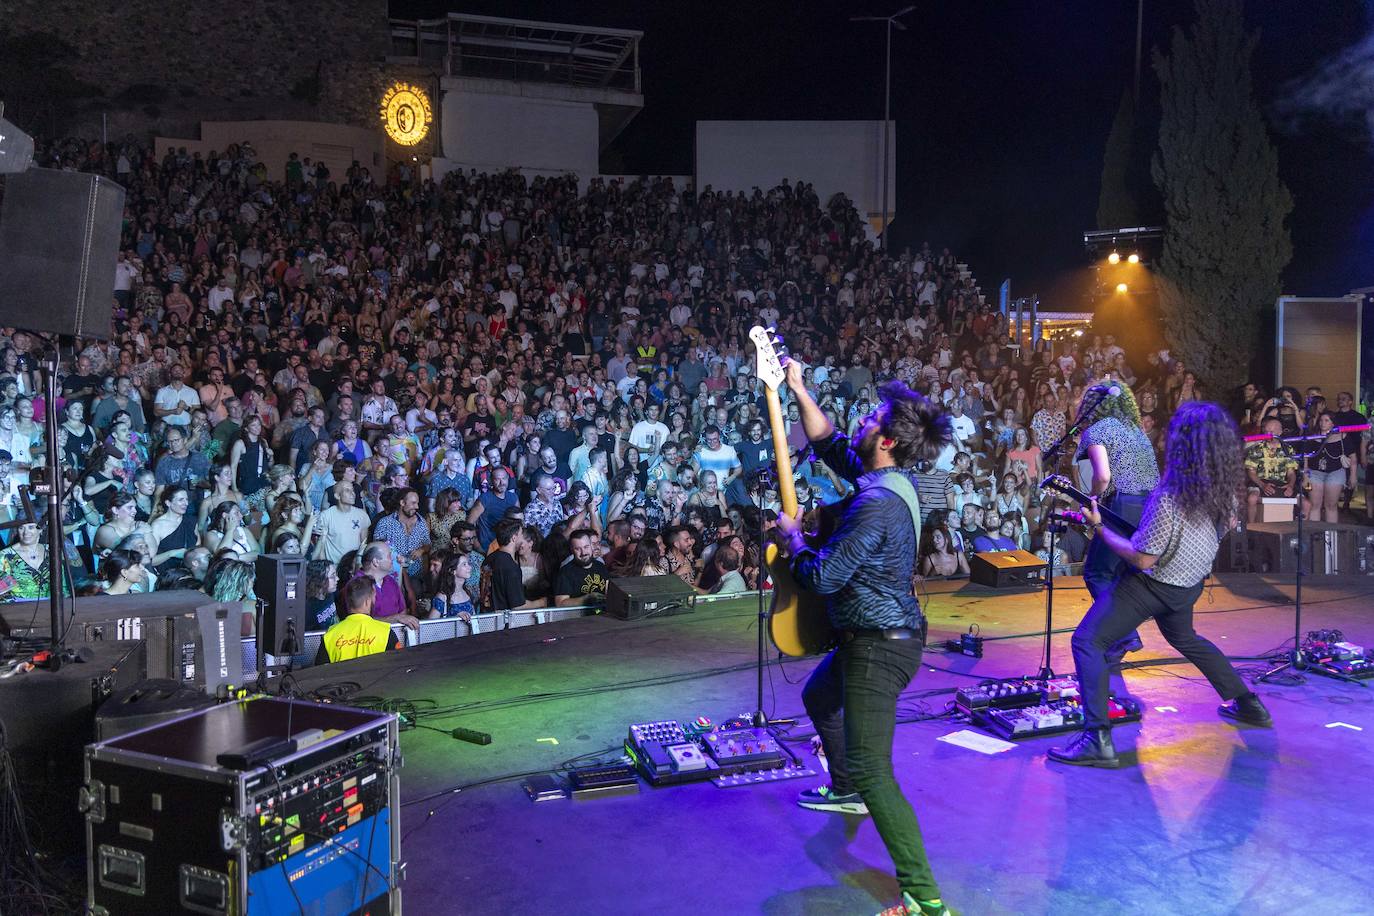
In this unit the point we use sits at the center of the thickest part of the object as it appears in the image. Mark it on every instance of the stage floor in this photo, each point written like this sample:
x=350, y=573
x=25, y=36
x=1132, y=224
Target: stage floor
x=1203, y=817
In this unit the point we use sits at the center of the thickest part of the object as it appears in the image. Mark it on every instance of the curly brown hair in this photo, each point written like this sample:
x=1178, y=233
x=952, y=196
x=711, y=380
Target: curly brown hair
x=1099, y=403
x=1203, y=462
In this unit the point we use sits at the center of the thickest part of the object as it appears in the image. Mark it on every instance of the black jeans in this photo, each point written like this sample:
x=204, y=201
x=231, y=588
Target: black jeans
x=1134, y=599
x=852, y=700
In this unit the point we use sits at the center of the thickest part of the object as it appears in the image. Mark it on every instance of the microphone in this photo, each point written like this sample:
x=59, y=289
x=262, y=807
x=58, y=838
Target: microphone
x=1113, y=392
x=470, y=736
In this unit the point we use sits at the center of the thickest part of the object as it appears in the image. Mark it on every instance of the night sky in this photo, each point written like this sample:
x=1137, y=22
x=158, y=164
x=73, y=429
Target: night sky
x=1003, y=110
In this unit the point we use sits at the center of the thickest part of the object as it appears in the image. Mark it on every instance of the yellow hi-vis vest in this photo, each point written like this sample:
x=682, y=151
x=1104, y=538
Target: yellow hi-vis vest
x=355, y=636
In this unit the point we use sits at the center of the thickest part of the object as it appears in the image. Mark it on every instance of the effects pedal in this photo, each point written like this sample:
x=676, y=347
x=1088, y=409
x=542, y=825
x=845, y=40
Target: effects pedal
x=686, y=758
x=1051, y=717
x=999, y=695
x=752, y=747
x=662, y=732
x=1327, y=652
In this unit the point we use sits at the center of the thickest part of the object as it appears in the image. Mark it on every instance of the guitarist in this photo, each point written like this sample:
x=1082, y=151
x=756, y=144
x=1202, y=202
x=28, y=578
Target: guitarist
x=1167, y=560
x=1123, y=474
x=865, y=569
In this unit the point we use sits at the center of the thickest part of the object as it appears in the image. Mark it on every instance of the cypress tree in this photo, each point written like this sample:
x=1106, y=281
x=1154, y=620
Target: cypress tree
x=1225, y=241
x=1117, y=205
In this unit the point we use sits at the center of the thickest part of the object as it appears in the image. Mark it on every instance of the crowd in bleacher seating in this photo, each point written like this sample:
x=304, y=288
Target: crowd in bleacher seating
x=491, y=391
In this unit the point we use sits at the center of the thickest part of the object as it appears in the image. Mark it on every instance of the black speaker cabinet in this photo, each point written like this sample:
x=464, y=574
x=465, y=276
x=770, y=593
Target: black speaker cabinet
x=49, y=716
x=1233, y=556
x=633, y=597
x=280, y=586
x=1327, y=549
x=145, y=703
x=59, y=239
x=1006, y=569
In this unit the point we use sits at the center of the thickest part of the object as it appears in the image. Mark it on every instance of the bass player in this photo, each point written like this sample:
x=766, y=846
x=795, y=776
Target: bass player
x=865, y=571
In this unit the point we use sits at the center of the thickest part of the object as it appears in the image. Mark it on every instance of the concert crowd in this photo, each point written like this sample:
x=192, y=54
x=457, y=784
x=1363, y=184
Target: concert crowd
x=494, y=392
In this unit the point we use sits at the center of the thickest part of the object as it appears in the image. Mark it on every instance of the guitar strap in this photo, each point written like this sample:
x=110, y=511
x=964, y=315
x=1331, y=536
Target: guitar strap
x=900, y=484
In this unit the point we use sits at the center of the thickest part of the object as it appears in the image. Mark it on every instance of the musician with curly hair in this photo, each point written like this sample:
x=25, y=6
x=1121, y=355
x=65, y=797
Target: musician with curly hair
x=865, y=571
x=1123, y=474
x=1167, y=560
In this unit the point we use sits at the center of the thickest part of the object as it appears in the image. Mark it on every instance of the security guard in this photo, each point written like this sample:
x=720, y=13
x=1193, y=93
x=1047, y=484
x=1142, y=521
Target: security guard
x=358, y=634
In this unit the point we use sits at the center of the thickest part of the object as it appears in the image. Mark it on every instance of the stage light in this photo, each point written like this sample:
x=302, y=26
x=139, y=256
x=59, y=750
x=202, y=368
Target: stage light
x=1078, y=333
x=1113, y=258
x=1134, y=258
x=1122, y=287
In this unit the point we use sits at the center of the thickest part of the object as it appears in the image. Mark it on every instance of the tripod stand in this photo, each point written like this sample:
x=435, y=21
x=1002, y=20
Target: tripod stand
x=1297, y=659
x=1046, y=672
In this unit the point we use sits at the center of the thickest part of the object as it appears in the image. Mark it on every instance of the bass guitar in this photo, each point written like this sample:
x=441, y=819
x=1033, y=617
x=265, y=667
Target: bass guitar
x=798, y=623
x=1060, y=484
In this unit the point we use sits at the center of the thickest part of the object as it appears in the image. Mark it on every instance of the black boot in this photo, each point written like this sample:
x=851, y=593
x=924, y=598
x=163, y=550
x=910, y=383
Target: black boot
x=1128, y=643
x=1092, y=748
x=1248, y=709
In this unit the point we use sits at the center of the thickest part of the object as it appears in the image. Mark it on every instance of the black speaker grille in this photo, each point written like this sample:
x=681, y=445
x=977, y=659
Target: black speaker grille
x=59, y=238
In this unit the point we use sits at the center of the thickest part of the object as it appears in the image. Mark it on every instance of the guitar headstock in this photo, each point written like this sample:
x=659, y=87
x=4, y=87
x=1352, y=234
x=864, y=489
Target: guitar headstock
x=769, y=356
x=1059, y=483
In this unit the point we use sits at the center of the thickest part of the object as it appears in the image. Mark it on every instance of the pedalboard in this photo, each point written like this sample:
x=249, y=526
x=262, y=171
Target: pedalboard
x=1029, y=708
x=1327, y=652
x=667, y=753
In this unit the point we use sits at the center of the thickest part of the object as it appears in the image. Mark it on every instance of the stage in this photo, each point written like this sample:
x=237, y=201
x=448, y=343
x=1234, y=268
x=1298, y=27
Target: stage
x=1203, y=817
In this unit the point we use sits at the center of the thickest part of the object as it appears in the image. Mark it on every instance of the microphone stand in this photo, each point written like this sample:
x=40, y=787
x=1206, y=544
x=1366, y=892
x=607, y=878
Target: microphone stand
x=1051, y=455
x=57, y=560
x=762, y=476
x=1297, y=660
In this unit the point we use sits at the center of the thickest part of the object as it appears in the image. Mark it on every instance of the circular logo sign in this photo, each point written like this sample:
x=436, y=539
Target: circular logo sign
x=406, y=114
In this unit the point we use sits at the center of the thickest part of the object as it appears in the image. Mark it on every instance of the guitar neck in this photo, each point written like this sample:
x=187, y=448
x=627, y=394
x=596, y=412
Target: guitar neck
x=787, y=489
x=1109, y=518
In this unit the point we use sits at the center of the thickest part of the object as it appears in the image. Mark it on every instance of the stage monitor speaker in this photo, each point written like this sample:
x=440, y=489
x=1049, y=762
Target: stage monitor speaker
x=1233, y=556
x=146, y=703
x=219, y=651
x=59, y=238
x=634, y=597
x=280, y=586
x=1274, y=548
x=1006, y=569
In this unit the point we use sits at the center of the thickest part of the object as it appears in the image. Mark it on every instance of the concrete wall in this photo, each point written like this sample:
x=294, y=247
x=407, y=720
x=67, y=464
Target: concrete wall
x=337, y=144
x=166, y=66
x=1318, y=343
x=515, y=125
x=844, y=156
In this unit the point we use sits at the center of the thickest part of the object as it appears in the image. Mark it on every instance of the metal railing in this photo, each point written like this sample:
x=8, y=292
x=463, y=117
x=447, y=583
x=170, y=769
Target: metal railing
x=494, y=47
x=446, y=628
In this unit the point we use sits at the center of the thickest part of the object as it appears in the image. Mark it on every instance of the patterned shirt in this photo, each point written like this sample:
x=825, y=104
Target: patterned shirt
x=865, y=567
x=1130, y=456
x=440, y=481
x=404, y=543
x=1048, y=426
x=1185, y=545
x=1270, y=464
x=544, y=515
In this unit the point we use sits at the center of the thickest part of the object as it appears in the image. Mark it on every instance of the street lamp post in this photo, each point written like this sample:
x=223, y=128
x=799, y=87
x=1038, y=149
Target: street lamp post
x=891, y=23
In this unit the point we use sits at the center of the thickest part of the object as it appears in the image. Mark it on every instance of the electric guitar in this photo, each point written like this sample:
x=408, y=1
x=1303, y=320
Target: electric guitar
x=1060, y=484
x=798, y=623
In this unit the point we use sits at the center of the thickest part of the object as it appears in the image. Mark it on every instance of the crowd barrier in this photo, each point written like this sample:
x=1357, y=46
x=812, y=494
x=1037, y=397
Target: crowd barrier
x=446, y=628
